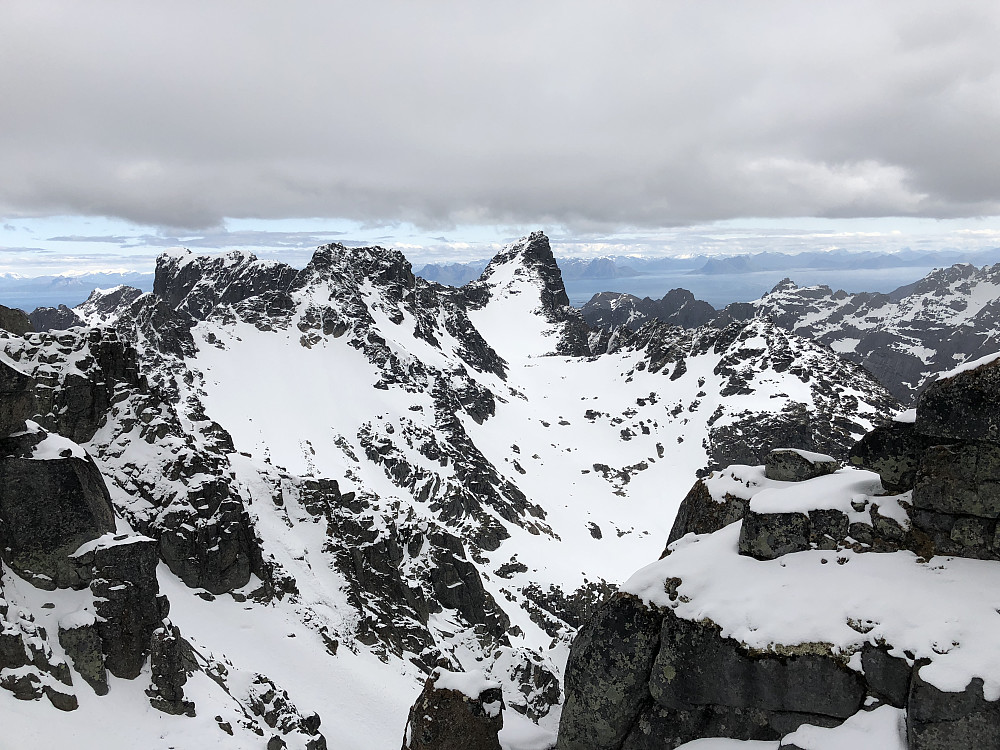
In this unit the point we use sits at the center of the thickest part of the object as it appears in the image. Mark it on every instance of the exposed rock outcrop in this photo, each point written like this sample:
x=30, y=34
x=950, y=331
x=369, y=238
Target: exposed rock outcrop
x=52, y=500
x=455, y=711
x=14, y=320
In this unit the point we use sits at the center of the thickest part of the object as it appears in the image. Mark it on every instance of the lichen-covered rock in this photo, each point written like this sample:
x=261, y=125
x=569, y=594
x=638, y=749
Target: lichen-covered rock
x=52, y=500
x=766, y=536
x=960, y=479
x=607, y=675
x=941, y=720
x=455, y=711
x=793, y=465
x=962, y=406
x=893, y=451
x=82, y=642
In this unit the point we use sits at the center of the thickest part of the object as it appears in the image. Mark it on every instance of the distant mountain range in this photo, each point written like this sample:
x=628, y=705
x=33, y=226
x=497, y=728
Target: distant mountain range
x=950, y=316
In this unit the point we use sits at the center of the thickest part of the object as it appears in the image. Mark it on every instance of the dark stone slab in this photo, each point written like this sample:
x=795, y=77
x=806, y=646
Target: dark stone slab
x=607, y=675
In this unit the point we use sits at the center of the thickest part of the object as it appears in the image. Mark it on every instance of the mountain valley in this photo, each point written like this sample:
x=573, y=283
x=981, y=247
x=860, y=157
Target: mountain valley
x=323, y=483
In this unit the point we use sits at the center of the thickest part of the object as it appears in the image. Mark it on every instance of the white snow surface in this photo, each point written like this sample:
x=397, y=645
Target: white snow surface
x=882, y=728
x=471, y=683
x=945, y=610
x=810, y=456
x=969, y=366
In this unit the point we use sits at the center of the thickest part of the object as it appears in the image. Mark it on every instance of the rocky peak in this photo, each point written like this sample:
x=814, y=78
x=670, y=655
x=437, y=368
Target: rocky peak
x=535, y=254
x=197, y=284
x=379, y=264
x=785, y=285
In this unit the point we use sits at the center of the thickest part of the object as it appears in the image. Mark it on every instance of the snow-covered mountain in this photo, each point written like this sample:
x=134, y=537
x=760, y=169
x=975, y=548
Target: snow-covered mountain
x=903, y=338
x=351, y=475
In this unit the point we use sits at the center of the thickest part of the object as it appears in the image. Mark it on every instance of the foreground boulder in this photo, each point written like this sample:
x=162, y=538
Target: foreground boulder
x=793, y=465
x=455, y=711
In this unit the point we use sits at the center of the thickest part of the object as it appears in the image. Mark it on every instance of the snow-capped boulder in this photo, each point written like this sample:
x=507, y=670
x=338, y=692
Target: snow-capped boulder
x=456, y=711
x=126, y=594
x=792, y=465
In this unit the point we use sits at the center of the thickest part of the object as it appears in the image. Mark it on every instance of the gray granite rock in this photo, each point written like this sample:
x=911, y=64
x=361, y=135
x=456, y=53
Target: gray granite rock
x=791, y=465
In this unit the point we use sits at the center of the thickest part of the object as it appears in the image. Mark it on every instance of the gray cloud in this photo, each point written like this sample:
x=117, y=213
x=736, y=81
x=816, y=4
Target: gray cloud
x=590, y=115
x=211, y=240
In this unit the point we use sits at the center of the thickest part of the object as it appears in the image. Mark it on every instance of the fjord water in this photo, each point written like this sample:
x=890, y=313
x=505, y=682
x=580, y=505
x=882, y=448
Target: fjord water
x=721, y=289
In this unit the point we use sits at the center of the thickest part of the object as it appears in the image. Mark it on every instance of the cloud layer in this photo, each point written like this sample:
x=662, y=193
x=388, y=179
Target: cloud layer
x=591, y=115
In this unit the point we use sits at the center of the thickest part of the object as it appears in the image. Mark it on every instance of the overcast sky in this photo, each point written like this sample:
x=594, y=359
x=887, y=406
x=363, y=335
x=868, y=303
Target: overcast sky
x=465, y=122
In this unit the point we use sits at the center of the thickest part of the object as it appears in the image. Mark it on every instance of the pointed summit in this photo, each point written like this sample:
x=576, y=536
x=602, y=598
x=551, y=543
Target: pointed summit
x=534, y=254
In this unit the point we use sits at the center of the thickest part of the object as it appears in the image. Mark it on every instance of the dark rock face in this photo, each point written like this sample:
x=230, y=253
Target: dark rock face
x=607, y=675
x=14, y=320
x=445, y=719
x=699, y=513
x=696, y=666
x=48, y=508
x=643, y=678
x=54, y=318
x=892, y=450
x=787, y=465
x=962, y=407
x=938, y=720
x=16, y=399
x=83, y=645
x=126, y=594
x=74, y=401
x=170, y=660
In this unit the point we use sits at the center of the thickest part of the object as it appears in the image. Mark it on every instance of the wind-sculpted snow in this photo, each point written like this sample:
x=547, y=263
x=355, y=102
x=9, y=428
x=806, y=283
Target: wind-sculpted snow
x=354, y=475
